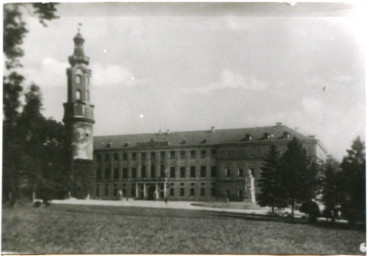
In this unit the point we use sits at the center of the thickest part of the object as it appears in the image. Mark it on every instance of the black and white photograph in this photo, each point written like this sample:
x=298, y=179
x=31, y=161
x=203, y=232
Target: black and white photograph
x=184, y=128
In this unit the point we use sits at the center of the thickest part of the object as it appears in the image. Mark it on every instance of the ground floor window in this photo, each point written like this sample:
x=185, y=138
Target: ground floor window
x=240, y=193
x=106, y=189
x=133, y=192
x=203, y=193
x=97, y=191
x=182, y=192
x=191, y=191
x=171, y=191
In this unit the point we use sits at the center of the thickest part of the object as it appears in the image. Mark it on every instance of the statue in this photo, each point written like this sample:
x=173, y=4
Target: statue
x=249, y=188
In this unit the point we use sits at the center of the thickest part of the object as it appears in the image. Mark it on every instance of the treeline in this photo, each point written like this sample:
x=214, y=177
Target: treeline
x=291, y=179
x=34, y=147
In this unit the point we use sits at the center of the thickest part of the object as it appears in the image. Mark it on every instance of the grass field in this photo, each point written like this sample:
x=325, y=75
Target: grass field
x=106, y=229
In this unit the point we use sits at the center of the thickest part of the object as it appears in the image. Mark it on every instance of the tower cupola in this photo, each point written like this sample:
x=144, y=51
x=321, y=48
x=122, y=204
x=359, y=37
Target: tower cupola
x=78, y=56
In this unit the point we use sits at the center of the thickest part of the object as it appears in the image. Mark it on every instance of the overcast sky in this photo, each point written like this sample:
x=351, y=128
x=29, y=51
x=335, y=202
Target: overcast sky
x=192, y=66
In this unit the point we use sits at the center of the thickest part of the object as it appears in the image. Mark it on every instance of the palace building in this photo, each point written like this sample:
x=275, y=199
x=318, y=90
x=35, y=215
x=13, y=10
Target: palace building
x=194, y=165
x=191, y=165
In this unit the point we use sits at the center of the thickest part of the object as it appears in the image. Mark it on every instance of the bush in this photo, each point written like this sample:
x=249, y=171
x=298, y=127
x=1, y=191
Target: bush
x=312, y=209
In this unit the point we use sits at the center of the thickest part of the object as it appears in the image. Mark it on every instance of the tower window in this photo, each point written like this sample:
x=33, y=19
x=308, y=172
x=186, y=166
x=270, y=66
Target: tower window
x=78, y=79
x=78, y=95
x=87, y=95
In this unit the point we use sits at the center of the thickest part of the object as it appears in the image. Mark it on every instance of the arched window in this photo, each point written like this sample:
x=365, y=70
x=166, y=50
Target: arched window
x=78, y=95
x=78, y=79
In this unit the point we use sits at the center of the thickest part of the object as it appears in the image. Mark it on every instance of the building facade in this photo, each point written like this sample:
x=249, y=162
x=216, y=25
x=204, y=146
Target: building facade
x=194, y=165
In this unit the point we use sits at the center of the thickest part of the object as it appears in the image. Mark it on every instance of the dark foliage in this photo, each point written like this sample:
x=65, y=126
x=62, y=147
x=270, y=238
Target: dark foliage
x=271, y=183
x=20, y=159
x=352, y=183
x=299, y=175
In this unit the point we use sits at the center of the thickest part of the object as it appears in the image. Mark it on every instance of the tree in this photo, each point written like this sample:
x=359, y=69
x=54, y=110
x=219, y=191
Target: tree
x=271, y=185
x=14, y=31
x=299, y=175
x=352, y=182
x=331, y=194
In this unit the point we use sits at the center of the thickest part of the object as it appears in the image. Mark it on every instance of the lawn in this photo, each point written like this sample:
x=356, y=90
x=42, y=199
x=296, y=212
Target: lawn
x=107, y=229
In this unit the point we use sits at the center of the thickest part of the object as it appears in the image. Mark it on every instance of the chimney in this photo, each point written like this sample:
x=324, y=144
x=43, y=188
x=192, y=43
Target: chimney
x=168, y=132
x=212, y=128
x=278, y=124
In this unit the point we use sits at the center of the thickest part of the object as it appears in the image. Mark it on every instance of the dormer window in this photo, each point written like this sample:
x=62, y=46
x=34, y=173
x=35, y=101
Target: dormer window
x=286, y=135
x=183, y=141
x=247, y=137
x=268, y=136
x=108, y=145
x=204, y=141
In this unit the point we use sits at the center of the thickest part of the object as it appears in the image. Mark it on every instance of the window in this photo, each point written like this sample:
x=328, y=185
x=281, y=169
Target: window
x=134, y=172
x=98, y=176
x=116, y=173
x=181, y=191
x=227, y=172
x=213, y=191
x=171, y=191
x=172, y=154
x=144, y=171
x=78, y=95
x=97, y=191
x=240, y=172
x=163, y=155
x=153, y=171
x=134, y=156
x=107, y=173
x=125, y=156
x=172, y=172
x=182, y=172
x=133, y=191
x=78, y=79
x=106, y=189
x=107, y=157
x=192, y=172
x=213, y=171
x=116, y=157
x=153, y=155
x=162, y=172
x=191, y=191
x=98, y=157
x=203, y=153
x=240, y=193
x=203, y=171
x=115, y=192
x=203, y=192
x=192, y=154
x=143, y=155
x=182, y=154
x=125, y=173
x=213, y=152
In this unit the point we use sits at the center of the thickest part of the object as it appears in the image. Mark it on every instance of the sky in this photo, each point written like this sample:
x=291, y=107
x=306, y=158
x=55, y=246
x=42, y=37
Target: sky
x=190, y=66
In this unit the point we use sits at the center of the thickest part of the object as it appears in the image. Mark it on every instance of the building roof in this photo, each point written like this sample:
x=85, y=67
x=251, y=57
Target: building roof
x=198, y=138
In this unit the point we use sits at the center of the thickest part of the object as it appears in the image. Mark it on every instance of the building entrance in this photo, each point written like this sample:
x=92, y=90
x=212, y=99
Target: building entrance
x=151, y=192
